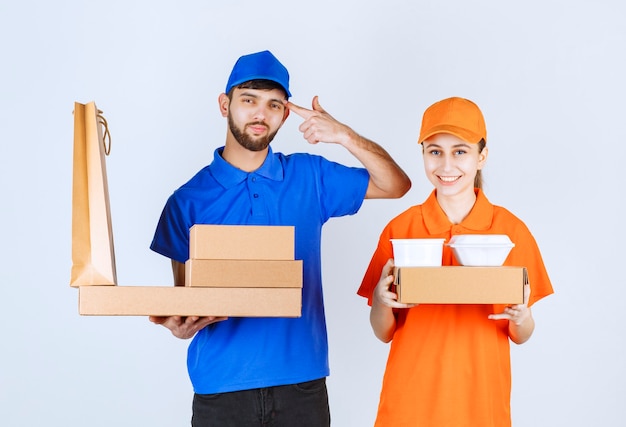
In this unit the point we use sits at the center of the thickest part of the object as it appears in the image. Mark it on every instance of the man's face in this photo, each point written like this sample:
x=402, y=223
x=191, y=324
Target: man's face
x=254, y=116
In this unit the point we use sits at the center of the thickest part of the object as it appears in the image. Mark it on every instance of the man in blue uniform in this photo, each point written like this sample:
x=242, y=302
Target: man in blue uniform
x=268, y=371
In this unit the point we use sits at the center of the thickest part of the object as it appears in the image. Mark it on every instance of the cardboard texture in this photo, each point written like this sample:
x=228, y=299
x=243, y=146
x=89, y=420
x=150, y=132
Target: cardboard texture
x=93, y=257
x=460, y=285
x=207, y=241
x=243, y=273
x=188, y=301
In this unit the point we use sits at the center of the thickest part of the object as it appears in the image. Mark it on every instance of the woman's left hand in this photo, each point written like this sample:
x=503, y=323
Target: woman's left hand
x=517, y=313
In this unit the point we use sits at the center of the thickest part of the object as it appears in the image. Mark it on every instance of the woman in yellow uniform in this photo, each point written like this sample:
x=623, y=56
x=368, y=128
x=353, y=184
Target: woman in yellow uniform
x=449, y=364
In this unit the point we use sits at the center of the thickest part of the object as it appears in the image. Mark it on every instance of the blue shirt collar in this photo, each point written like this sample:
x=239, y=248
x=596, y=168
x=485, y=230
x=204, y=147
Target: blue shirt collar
x=229, y=176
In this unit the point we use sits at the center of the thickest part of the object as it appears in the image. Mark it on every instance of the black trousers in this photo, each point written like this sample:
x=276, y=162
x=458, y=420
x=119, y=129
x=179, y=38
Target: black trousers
x=295, y=405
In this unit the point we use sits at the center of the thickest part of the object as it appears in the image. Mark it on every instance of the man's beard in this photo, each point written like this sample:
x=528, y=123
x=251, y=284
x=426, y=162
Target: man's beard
x=248, y=142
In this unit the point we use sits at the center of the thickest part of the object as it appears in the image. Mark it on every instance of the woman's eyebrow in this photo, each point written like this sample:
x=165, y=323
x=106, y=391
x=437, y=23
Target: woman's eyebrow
x=432, y=145
x=455, y=146
x=461, y=145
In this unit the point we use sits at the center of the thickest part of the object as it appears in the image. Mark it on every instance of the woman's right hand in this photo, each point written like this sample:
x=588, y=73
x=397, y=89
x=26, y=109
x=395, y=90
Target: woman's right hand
x=382, y=293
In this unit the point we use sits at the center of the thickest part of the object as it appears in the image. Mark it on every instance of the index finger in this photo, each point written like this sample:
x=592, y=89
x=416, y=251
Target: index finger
x=389, y=265
x=305, y=113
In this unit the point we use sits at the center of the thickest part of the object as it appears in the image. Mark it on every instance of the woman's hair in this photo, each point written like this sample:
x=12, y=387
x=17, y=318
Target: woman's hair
x=478, y=179
x=260, y=84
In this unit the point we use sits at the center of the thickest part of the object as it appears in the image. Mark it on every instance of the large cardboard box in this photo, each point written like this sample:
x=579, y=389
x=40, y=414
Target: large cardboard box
x=244, y=273
x=188, y=301
x=460, y=285
x=267, y=242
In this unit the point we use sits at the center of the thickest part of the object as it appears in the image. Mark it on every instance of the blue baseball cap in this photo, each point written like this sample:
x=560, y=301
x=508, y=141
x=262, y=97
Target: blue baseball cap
x=260, y=65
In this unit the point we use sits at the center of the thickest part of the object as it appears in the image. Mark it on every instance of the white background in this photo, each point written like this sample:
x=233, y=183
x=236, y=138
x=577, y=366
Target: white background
x=549, y=76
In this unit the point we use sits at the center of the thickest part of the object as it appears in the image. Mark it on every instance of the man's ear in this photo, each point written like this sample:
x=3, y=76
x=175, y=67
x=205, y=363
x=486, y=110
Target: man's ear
x=224, y=104
x=285, y=115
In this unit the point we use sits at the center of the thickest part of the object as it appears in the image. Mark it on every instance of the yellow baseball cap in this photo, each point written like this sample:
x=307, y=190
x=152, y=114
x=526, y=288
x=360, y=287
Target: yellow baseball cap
x=457, y=116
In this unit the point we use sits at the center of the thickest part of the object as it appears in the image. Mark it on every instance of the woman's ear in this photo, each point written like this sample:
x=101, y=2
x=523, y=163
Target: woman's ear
x=482, y=158
x=224, y=103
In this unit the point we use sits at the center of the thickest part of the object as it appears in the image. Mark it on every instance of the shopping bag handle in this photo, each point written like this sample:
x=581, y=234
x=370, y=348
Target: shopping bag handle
x=107, y=134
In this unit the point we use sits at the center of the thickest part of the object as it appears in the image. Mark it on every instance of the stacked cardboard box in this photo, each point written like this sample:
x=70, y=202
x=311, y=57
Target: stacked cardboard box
x=250, y=258
x=236, y=271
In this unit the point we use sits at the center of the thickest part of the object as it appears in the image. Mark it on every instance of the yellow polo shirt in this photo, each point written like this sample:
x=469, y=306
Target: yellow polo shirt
x=449, y=365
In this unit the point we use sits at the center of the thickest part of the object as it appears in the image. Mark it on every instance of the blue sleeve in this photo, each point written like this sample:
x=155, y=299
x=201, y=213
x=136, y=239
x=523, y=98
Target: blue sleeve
x=171, y=238
x=343, y=188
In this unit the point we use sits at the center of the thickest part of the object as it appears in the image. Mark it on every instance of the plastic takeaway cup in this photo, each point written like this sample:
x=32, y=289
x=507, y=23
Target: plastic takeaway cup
x=417, y=252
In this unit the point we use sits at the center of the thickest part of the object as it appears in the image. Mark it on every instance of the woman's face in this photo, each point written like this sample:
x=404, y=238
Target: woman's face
x=451, y=164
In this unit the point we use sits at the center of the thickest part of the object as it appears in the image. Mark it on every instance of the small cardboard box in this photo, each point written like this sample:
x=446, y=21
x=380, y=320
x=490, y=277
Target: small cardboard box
x=188, y=301
x=243, y=273
x=460, y=285
x=267, y=242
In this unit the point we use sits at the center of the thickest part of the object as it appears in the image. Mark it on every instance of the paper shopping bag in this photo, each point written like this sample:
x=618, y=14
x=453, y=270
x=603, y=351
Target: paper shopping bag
x=93, y=256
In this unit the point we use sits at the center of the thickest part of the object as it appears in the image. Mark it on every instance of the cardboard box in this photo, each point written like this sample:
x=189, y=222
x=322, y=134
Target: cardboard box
x=207, y=241
x=460, y=285
x=188, y=301
x=243, y=273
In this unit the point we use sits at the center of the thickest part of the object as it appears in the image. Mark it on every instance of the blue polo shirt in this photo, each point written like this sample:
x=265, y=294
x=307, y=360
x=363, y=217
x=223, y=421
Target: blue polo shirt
x=301, y=190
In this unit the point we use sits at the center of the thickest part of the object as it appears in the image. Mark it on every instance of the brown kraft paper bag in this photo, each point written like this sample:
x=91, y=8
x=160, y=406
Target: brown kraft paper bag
x=93, y=255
